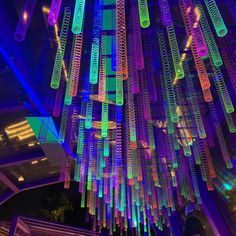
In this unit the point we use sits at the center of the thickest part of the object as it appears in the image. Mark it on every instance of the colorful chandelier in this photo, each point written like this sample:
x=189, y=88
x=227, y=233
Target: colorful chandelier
x=131, y=117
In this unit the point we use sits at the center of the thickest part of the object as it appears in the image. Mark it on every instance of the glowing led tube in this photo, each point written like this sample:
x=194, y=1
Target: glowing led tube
x=202, y=73
x=216, y=18
x=194, y=103
x=75, y=67
x=119, y=92
x=58, y=100
x=191, y=20
x=56, y=75
x=213, y=49
x=168, y=78
x=54, y=12
x=78, y=18
x=220, y=137
x=121, y=45
x=95, y=51
x=226, y=51
x=137, y=39
x=104, y=120
x=102, y=73
x=143, y=13
x=63, y=125
x=89, y=115
x=131, y=110
x=165, y=12
x=24, y=20
x=179, y=72
x=222, y=90
x=133, y=67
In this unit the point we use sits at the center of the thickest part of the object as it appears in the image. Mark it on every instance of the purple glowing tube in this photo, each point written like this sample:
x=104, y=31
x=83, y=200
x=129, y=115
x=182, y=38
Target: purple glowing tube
x=192, y=20
x=145, y=96
x=165, y=13
x=58, y=100
x=54, y=12
x=138, y=50
x=149, y=68
x=24, y=20
x=133, y=68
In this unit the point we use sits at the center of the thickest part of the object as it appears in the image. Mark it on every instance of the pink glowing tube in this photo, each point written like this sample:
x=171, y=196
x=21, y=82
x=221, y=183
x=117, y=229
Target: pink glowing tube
x=194, y=26
x=54, y=12
x=201, y=70
x=24, y=20
x=121, y=45
x=138, y=50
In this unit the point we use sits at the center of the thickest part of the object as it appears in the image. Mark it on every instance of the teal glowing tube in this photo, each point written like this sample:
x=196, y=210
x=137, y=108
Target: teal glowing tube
x=94, y=62
x=212, y=46
x=179, y=72
x=104, y=127
x=89, y=111
x=106, y=151
x=89, y=115
x=56, y=75
x=95, y=51
x=78, y=16
x=119, y=91
x=216, y=18
x=68, y=98
x=143, y=13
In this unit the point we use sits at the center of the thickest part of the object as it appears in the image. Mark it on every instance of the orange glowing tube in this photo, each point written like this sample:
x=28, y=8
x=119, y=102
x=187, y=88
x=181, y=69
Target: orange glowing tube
x=207, y=95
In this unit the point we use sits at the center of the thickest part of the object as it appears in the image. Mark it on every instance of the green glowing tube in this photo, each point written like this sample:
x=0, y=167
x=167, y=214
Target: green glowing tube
x=131, y=111
x=143, y=13
x=80, y=144
x=82, y=204
x=56, y=75
x=230, y=122
x=179, y=72
x=119, y=91
x=151, y=136
x=216, y=18
x=78, y=16
x=104, y=119
x=94, y=62
x=89, y=115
